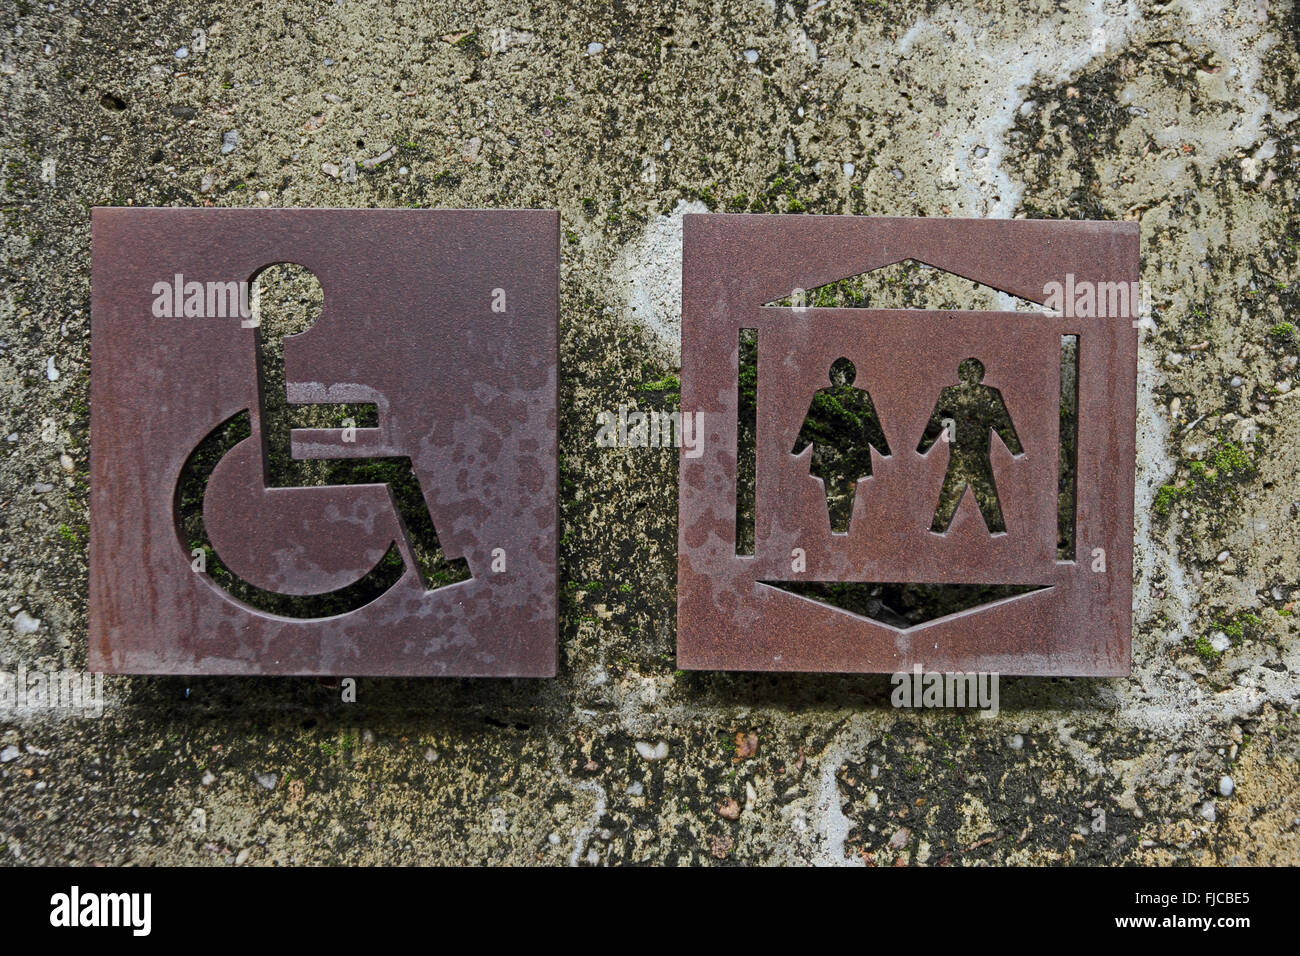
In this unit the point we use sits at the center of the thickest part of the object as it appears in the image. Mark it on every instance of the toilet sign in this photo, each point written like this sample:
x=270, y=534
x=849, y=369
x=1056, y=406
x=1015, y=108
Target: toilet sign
x=429, y=547
x=943, y=488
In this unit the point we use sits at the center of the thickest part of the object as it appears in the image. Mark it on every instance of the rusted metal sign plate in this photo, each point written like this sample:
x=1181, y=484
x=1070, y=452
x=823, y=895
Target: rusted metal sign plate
x=445, y=324
x=740, y=611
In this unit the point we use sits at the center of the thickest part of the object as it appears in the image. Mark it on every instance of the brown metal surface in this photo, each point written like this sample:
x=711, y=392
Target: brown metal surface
x=729, y=618
x=468, y=392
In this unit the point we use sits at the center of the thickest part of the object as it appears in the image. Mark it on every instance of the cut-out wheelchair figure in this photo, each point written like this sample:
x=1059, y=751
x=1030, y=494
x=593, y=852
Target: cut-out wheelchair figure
x=965, y=418
x=320, y=570
x=841, y=425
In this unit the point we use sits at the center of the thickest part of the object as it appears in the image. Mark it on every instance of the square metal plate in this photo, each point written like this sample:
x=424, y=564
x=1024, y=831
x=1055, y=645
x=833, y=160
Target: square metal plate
x=446, y=322
x=736, y=611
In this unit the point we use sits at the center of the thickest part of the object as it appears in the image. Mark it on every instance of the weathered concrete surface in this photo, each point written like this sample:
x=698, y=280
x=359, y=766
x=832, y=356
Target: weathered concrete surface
x=1182, y=114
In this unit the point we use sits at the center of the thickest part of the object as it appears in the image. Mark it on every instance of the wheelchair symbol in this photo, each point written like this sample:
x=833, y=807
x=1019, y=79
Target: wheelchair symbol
x=304, y=547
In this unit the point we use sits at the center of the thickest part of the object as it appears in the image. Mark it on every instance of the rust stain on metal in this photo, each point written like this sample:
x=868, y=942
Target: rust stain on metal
x=733, y=613
x=446, y=321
